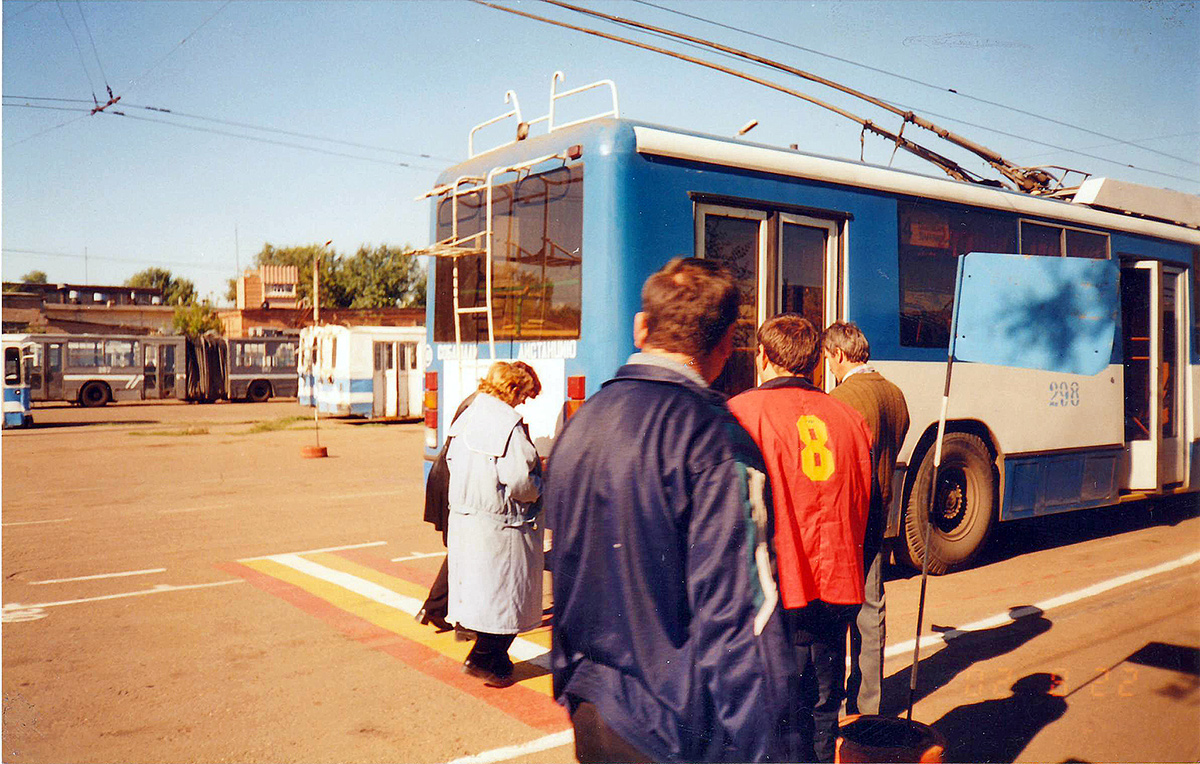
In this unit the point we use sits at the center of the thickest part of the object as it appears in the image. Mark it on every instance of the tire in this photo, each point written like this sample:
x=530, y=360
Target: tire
x=94, y=394
x=965, y=507
x=259, y=391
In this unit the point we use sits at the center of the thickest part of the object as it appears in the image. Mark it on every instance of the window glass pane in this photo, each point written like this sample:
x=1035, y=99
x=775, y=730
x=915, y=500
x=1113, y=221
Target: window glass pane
x=283, y=356
x=734, y=243
x=802, y=272
x=119, y=353
x=1169, y=368
x=1135, y=323
x=537, y=229
x=1087, y=244
x=1039, y=239
x=12, y=366
x=931, y=239
x=84, y=353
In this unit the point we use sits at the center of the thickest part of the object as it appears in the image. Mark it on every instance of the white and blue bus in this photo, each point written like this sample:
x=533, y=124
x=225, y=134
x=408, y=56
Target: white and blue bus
x=368, y=371
x=543, y=244
x=17, y=402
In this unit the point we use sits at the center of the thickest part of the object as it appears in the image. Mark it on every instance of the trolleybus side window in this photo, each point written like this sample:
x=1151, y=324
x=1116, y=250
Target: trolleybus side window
x=537, y=240
x=119, y=353
x=282, y=355
x=931, y=239
x=87, y=353
x=1055, y=240
x=734, y=241
x=12, y=366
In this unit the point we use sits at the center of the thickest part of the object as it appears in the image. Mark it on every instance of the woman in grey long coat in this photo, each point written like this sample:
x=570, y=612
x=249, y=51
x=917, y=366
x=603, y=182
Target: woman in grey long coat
x=494, y=542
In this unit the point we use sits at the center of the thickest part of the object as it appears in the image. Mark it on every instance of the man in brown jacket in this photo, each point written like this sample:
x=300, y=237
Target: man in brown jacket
x=883, y=407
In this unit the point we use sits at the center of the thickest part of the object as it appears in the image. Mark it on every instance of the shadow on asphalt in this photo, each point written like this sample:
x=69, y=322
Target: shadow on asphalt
x=56, y=425
x=1035, y=534
x=962, y=650
x=998, y=730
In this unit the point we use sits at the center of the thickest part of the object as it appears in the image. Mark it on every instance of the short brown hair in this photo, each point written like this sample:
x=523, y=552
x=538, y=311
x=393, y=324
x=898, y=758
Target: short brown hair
x=510, y=381
x=848, y=338
x=791, y=342
x=689, y=304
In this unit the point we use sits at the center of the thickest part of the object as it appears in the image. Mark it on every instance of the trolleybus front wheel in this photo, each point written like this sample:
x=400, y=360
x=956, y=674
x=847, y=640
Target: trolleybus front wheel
x=94, y=394
x=258, y=391
x=964, y=506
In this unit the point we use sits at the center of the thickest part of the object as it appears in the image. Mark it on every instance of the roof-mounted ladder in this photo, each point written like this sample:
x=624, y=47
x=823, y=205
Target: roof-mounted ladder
x=456, y=246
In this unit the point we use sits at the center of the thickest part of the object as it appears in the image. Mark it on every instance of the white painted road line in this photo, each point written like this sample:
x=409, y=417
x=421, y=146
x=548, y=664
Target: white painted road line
x=100, y=575
x=521, y=649
x=15, y=607
x=566, y=737
x=1045, y=605
x=38, y=522
x=418, y=556
x=316, y=551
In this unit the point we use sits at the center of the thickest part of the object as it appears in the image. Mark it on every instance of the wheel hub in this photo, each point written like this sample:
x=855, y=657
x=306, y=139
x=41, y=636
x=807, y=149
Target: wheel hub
x=951, y=503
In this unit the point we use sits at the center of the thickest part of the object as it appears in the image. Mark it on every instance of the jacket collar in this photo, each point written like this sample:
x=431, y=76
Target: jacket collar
x=643, y=372
x=785, y=381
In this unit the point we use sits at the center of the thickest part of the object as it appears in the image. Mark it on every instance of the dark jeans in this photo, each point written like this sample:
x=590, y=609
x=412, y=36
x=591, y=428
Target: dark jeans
x=437, y=604
x=596, y=742
x=818, y=632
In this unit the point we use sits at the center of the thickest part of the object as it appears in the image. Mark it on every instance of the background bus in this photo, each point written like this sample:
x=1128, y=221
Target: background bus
x=93, y=370
x=369, y=371
x=16, y=385
x=543, y=245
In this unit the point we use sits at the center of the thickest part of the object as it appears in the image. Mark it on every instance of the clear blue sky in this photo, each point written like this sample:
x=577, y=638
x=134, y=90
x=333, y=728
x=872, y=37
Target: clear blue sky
x=407, y=80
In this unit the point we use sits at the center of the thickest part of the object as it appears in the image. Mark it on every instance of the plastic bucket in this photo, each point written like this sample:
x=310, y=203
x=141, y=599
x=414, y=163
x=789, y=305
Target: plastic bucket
x=869, y=738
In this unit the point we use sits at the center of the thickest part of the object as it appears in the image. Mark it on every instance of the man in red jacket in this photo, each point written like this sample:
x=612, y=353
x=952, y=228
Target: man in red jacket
x=818, y=456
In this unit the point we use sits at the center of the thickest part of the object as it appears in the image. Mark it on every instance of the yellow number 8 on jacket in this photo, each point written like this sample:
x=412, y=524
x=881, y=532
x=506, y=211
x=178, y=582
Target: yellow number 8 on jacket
x=816, y=460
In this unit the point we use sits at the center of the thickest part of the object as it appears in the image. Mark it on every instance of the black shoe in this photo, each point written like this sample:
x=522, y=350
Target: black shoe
x=424, y=618
x=489, y=677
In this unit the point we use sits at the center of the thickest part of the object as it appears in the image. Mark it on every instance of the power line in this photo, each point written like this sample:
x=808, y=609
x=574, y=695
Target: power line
x=96, y=53
x=272, y=142
x=135, y=261
x=78, y=50
x=43, y=132
x=913, y=80
x=171, y=52
x=47, y=108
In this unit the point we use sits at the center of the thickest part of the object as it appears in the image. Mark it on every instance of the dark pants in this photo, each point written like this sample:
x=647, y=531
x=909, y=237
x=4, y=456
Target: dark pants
x=437, y=604
x=596, y=742
x=818, y=632
x=491, y=652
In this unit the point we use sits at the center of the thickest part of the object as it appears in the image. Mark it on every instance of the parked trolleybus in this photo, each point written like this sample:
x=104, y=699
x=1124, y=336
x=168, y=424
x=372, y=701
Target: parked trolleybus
x=16, y=384
x=543, y=245
x=93, y=370
x=369, y=371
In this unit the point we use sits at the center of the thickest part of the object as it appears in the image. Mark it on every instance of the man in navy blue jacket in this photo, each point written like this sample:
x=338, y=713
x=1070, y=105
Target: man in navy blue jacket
x=667, y=641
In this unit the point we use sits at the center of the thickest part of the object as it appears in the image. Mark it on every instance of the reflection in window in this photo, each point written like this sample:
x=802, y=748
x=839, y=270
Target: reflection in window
x=537, y=240
x=734, y=243
x=931, y=239
x=87, y=353
x=1054, y=240
x=12, y=366
x=119, y=353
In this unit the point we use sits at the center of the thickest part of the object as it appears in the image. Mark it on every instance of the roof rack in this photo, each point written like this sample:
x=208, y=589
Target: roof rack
x=523, y=127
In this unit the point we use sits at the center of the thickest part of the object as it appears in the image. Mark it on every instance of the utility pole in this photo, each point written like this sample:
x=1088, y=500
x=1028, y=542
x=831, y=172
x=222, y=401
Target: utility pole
x=316, y=283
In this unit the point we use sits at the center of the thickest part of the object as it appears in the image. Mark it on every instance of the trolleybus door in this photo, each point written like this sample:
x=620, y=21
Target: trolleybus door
x=782, y=262
x=52, y=371
x=150, y=380
x=1152, y=315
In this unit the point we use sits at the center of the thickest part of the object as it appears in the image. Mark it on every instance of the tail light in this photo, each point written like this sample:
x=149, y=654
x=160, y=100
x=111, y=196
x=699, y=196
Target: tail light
x=431, y=409
x=576, y=392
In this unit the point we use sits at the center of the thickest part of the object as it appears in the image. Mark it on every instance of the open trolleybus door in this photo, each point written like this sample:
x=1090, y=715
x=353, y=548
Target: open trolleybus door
x=1153, y=316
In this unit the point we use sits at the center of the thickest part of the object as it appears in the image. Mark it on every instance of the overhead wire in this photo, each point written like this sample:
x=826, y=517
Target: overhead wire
x=179, y=45
x=135, y=261
x=270, y=141
x=913, y=80
x=95, y=52
x=82, y=58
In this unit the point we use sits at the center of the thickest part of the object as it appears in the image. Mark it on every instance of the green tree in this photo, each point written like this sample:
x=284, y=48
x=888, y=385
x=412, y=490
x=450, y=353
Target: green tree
x=175, y=290
x=383, y=276
x=34, y=277
x=372, y=277
x=196, y=318
x=231, y=291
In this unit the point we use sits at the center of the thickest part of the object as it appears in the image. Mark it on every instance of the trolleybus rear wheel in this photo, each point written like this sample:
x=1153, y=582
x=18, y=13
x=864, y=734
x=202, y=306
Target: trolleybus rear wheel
x=964, y=506
x=94, y=394
x=258, y=391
